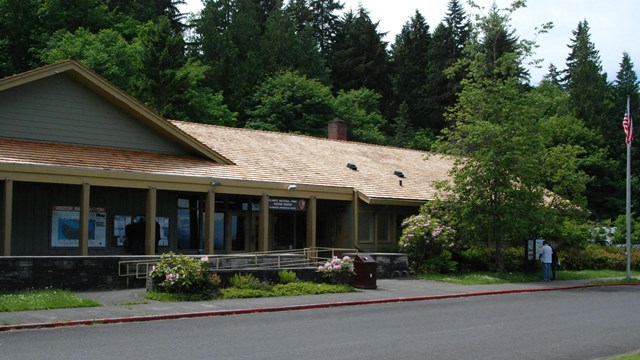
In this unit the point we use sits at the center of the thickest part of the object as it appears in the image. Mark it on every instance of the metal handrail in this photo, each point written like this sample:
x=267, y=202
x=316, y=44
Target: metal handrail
x=310, y=257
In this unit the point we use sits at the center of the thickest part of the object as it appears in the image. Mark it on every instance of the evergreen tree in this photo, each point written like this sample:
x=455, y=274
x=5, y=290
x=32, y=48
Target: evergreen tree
x=19, y=23
x=162, y=58
x=325, y=23
x=590, y=101
x=301, y=14
x=585, y=81
x=409, y=63
x=229, y=33
x=498, y=39
x=264, y=10
x=402, y=127
x=360, y=56
x=553, y=75
x=150, y=10
x=285, y=48
x=458, y=26
x=73, y=14
x=447, y=47
x=627, y=85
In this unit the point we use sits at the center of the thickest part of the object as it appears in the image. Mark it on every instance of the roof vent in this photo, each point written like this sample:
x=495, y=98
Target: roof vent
x=352, y=166
x=398, y=173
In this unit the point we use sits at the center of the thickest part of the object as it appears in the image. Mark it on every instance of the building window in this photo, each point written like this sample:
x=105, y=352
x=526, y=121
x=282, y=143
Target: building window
x=383, y=233
x=365, y=227
x=237, y=232
x=218, y=231
x=190, y=225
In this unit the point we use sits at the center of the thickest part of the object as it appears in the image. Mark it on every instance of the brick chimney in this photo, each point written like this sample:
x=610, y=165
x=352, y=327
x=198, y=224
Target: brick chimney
x=337, y=130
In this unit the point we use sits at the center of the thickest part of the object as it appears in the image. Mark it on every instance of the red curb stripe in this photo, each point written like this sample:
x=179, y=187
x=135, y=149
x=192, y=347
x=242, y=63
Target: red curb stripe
x=288, y=308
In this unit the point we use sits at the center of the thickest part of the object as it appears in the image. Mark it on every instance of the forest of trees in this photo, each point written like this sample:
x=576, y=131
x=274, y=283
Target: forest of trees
x=293, y=65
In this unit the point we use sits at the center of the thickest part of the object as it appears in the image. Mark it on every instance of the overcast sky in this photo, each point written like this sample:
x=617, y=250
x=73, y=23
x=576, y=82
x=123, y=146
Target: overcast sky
x=614, y=25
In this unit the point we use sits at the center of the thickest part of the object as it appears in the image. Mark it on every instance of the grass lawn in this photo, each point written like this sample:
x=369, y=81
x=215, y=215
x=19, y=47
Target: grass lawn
x=59, y=299
x=478, y=278
x=630, y=356
x=290, y=289
x=42, y=300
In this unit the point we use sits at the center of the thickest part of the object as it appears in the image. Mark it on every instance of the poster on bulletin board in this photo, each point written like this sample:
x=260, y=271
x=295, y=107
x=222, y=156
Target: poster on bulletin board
x=65, y=226
x=120, y=223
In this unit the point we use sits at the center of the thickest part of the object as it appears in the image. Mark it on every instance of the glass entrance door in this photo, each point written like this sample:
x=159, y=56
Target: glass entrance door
x=289, y=230
x=190, y=224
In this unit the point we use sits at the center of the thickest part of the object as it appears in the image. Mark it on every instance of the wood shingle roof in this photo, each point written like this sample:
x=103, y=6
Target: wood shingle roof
x=297, y=159
x=249, y=160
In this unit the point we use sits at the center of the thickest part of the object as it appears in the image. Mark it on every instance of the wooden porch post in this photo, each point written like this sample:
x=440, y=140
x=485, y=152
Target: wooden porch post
x=209, y=226
x=312, y=223
x=150, y=220
x=7, y=217
x=85, y=198
x=263, y=243
x=356, y=212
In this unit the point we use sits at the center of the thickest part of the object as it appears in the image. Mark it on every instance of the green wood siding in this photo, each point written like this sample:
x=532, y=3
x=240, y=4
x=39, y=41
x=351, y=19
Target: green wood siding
x=33, y=202
x=59, y=109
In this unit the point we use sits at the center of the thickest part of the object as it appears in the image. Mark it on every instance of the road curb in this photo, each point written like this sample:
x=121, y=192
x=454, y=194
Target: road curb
x=143, y=318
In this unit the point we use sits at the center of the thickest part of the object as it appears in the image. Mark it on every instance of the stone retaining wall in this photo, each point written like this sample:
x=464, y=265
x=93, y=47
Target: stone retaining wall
x=389, y=265
x=63, y=272
x=101, y=272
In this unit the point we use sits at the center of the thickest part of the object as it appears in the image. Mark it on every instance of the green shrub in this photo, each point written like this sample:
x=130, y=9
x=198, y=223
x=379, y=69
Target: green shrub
x=428, y=242
x=244, y=293
x=596, y=257
x=441, y=263
x=248, y=282
x=286, y=276
x=182, y=274
x=476, y=258
x=338, y=270
x=308, y=288
x=573, y=234
x=513, y=259
x=290, y=289
x=175, y=297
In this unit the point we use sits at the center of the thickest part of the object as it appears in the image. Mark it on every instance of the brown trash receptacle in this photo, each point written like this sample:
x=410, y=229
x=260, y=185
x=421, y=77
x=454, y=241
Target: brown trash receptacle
x=366, y=271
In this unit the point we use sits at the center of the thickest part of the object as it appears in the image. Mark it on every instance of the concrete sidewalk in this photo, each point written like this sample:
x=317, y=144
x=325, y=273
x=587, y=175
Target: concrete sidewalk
x=130, y=305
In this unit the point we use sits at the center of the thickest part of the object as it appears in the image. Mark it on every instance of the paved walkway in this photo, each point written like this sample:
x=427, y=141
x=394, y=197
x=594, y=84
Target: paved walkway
x=130, y=305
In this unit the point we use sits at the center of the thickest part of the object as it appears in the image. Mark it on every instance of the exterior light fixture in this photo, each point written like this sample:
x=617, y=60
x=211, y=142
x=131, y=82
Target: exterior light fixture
x=292, y=187
x=352, y=166
x=215, y=183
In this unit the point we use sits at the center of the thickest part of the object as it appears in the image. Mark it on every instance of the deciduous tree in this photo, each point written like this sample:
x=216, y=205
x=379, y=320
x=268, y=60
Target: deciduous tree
x=500, y=185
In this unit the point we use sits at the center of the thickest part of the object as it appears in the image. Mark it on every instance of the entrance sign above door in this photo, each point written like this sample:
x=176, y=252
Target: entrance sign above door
x=288, y=204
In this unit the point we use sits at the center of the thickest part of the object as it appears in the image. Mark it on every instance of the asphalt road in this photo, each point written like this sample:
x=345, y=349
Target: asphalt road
x=573, y=324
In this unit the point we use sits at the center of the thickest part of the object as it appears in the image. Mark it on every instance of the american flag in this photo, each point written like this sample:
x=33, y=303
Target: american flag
x=627, y=125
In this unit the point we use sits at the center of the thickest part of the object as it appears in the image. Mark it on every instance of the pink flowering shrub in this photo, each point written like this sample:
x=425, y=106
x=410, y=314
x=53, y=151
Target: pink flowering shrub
x=338, y=270
x=182, y=274
x=429, y=243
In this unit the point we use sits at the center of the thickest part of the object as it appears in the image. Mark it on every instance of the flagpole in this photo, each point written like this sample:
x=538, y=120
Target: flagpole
x=629, y=194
